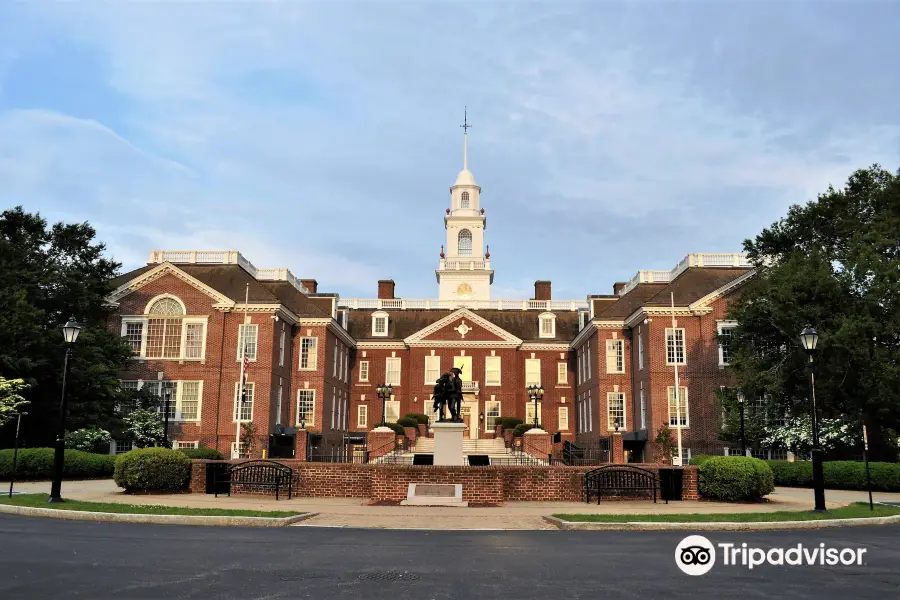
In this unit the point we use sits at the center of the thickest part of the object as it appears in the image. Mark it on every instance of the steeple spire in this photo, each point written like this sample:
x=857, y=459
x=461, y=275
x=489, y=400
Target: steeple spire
x=465, y=127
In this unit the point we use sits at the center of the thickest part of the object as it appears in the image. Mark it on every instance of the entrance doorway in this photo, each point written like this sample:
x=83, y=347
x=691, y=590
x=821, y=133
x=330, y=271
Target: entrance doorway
x=466, y=414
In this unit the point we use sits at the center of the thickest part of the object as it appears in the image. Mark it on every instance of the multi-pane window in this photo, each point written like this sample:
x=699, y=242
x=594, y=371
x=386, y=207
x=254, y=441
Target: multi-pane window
x=643, y=410
x=532, y=371
x=179, y=445
x=189, y=400
x=464, y=200
x=306, y=406
x=529, y=412
x=362, y=415
x=159, y=389
x=685, y=455
x=334, y=359
x=563, y=418
x=278, y=402
x=491, y=412
x=615, y=356
x=379, y=324
x=193, y=340
x=548, y=326
x=308, y=353
x=580, y=366
x=587, y=364
x=363, y=370
x=725, y=332
x=247, y=337
x=432, y=369
x=640, y=349
x=678, y=407
x=281, y=349
x=346, y=364
x=134, y=335
x=492, y=370
x=615, y=409
x=128, y=405
x=392, y=410
x=164, y=329
x=392, y=371
x=465, y=242
x=590, y=420
x=123, y=446
x=246, y=403
x=674, y=346
x=562, y=372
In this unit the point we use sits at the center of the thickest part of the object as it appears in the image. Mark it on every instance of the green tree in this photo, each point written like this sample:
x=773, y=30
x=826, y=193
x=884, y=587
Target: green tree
x=47, y=274
x=833, y=263
x=11, y=400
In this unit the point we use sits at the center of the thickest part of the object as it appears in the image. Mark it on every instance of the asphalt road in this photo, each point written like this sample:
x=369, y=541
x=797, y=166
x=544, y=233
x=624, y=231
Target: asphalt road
x=46, y=558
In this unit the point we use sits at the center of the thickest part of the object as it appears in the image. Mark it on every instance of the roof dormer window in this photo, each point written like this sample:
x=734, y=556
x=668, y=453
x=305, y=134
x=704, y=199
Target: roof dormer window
x=379, y=324
x=547, y=325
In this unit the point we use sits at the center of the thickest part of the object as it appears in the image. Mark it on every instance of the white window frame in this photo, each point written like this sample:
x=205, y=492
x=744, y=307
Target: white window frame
x=346, y=364
x=672, y=340
x=563, y=417
x=498, y=369
x=435, y=368
x=389, y=409
x=640, y=349
x=364, y=371
x=562, y=373
x=375, y=317
x=278, y=406
x=590, y=420
x=334, y=359
x=312, y=354
x=251, y=392
x=143, y=321
x=241, y=327
x=244, y=451
x=533, y=362
x=333, y=407
x=488, y=419
x=612, y=397
x=581, y=365
x=543, y=318
x=682, y=403
x=460, y=251
x=179, y=404
x=643, y=408
x=362, y=416
x=615, y=353
x=182, y=445
x=720, y=327
x=281, y=343
x=588, y=362
x=388, y=380
x=529, y=412
x=464, y=201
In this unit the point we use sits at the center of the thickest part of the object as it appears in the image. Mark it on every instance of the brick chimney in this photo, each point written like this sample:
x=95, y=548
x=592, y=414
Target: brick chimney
x=542, y=290
x=617, y=286
x=385, y=289
x=311, y=284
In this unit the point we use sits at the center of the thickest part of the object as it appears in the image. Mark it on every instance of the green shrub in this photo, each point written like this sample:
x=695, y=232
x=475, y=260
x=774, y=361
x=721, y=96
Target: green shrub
x=204, y=453
x=37, y=463
x=839, y=475
x=153, y=469
x=498, y=421
x=733, y=478
x=510, y=422
x=398, y=429
x=699, y=459
x=419, y=418
x=521, y=428
x=407, y=422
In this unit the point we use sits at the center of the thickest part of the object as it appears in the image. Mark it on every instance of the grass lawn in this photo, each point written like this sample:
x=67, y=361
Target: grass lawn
x=40, y=501
x=854, y=511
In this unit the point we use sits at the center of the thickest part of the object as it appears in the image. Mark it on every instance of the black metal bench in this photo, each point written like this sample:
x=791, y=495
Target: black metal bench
x=261, y=474
x=619, y=478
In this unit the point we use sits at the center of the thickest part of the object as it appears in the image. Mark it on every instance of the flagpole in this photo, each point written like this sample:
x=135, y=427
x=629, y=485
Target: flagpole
x=677, y=383
x=239, y=401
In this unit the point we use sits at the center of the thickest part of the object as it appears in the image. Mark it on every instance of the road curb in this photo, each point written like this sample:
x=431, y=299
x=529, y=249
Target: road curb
x=104, y=517
x=722, y=526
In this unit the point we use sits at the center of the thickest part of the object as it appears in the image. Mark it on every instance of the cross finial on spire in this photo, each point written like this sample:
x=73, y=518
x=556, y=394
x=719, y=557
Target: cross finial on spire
x=465, y=124
x=465, y=127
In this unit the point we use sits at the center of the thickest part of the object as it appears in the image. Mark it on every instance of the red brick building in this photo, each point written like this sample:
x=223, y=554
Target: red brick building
x=315, y=359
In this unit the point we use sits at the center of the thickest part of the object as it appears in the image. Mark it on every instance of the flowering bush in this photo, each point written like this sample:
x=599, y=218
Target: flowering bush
x=90, y=439
x=145, y=427
x=796, y=434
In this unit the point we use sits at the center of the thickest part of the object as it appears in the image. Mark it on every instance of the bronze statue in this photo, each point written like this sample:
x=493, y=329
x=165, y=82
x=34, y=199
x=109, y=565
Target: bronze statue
x=448, y=393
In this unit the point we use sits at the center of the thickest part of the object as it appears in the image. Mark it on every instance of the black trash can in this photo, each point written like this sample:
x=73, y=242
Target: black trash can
x=217, y=478
x=670, y=482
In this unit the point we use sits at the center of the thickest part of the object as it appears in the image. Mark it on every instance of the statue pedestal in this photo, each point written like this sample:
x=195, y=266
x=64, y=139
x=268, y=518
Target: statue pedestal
x=448, y=443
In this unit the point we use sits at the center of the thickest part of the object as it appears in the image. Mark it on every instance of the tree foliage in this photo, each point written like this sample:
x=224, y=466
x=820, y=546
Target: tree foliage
x=47, y=274
x=833, y=263
x=11, y=400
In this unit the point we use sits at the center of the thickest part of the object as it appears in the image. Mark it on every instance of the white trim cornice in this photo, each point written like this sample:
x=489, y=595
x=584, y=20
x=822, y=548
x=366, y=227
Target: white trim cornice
x=166, y=269
x=506, y=338
x=663, y=311
x=381, y=346
x=538, y=346
x=585, y=332
x=708, y=299
x=462, y=344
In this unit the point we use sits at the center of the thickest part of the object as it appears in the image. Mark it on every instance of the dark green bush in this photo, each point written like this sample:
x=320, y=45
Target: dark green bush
x=37, y=463
x=204, y=453
x=734, y=478
x=839, y=475
x=418, y=417
x=498, y=421
x=398, y=429
x=510, y=422
x=153, y=469
x=699, y=459
x=521, y=428
x=407, y=422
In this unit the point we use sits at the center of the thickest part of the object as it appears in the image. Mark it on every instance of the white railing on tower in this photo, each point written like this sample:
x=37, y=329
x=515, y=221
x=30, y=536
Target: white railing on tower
x=426, y=304
x=691, y=260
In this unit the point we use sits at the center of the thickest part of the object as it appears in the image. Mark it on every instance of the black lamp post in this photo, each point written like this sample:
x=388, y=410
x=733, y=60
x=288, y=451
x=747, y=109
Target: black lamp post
x=535, y=392
x=384, y=391
x=809, y=339
x=16, y=453
x=70, y=332
x=166, y=416
x=740, y=399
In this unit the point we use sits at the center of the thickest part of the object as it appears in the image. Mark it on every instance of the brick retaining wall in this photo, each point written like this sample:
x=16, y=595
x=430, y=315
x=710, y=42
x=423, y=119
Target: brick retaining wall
x=481, y=485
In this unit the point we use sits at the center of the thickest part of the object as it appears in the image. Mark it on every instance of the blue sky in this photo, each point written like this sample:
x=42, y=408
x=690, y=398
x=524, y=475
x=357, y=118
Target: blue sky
x=323, y=136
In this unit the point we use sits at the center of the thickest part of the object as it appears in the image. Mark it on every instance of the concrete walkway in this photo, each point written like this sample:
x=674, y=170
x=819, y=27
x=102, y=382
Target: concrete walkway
x=356, y=512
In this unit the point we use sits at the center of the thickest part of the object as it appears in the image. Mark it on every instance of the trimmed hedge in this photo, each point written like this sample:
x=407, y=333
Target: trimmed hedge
x=37, y=463
x=734, y=478
x=398, y=429
x=418, y=417
x=204, y=453
x=510, y=422
x=153, y=469
x=698, y=460
x=407, y=422
x=839, y=474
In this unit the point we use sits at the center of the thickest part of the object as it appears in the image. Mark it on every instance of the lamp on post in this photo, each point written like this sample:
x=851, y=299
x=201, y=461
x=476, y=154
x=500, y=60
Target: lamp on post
x=70, y=333
x=384, y=392
x=740, y=399
x=810, y=339
x=535, y=392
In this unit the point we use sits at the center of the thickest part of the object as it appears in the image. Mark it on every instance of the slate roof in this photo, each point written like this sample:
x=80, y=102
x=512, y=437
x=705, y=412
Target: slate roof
x=695, y=283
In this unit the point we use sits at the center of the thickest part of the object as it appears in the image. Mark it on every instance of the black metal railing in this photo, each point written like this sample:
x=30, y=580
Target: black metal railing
x=576, y=456
x=337, y=454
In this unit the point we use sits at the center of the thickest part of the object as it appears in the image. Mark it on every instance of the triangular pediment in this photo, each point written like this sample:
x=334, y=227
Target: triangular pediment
x=463, y=327
x=161, y=271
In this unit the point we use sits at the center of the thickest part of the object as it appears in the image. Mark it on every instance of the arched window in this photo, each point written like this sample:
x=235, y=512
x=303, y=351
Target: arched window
x=464, y=200
x=164, y=329
x=465, y=243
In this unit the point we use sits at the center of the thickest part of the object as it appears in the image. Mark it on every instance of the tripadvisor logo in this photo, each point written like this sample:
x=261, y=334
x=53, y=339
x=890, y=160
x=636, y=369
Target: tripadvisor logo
x=696, y=555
